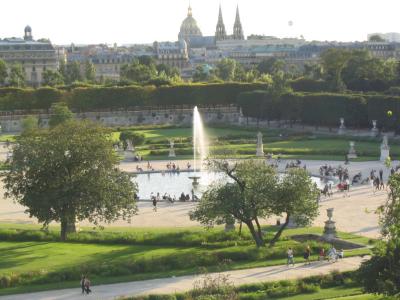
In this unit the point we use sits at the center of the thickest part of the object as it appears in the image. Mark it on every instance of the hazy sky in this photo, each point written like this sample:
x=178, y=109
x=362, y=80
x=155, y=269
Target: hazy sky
x=145, y=21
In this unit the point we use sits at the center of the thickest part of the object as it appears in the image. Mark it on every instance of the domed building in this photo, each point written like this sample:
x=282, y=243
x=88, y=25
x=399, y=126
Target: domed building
x=189, y=28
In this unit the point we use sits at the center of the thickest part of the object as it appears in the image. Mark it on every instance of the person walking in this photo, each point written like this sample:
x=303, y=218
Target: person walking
x=87, y=286
x=290, y=255
x=307, y=254
x=321, y=254
x=155, y=204
x=83, y=284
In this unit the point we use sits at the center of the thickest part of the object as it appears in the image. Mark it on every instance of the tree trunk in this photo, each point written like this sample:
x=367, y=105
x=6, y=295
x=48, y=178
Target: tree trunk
x=67, y=226
x=258, y=228
x=240, y=228
x=256, y=237
x=281, y=229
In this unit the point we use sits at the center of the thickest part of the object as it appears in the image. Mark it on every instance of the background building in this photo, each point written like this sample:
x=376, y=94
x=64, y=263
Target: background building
x=35, y=57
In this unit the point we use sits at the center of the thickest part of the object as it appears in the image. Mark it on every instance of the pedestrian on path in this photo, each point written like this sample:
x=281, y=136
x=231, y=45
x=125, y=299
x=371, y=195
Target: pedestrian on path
x=307, y=254
x=83, y=284
x=290, y=259
x=87, y=286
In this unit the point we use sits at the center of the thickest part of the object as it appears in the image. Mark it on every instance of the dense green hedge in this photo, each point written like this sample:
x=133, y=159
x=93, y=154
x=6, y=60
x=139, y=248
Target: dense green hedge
x=323, y=109
x=98, y=97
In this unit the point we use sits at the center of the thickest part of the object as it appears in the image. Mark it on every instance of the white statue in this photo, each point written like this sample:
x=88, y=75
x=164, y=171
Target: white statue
x=171, y=148
x=260, y=146
x=385, y=149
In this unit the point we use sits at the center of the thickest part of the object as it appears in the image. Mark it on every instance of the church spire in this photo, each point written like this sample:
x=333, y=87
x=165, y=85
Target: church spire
x=220, y=32
x=190, y=13
x=237, y=28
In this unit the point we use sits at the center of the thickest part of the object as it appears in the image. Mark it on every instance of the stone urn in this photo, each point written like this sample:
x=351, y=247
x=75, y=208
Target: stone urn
x=330, y=227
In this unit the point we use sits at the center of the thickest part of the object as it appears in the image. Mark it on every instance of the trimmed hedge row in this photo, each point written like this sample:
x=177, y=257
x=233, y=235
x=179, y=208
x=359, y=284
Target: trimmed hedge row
x=323, y=109
x=99, y=97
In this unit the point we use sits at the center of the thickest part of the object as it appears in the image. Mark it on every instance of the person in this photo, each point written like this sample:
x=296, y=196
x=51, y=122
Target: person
x=182, y=197
x=340, y=254
x=321, y=254
x=290, y=259
x=87, y=286
x=381, y=175
x=83, y=284
x=332, y=255
x=307, y=254
x=154, y=204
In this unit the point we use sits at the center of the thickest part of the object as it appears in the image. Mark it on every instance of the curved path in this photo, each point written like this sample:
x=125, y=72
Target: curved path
x=185, y=283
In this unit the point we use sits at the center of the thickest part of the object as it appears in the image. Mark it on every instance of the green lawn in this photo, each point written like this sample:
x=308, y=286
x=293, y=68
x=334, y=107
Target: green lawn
x=135, y=254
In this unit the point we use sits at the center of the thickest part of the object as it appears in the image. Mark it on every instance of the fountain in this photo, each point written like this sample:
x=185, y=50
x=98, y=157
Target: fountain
x=199, y=145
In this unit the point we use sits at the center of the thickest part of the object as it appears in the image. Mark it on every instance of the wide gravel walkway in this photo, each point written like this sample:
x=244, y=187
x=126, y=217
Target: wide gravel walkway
x=185, y=283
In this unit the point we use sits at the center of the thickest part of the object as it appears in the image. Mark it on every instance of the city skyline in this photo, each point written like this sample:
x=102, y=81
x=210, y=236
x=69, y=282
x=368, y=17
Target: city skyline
x=138, y=22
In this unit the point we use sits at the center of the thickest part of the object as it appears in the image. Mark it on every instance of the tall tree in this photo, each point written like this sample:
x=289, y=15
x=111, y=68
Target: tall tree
x=334, y=60
x=69, y=173
x=60, y=114
x=226, y=69
x=3, y=72
x=90, y=71
x=52, y=78
x=138, y=72
x=73, y=72
x=17, y=76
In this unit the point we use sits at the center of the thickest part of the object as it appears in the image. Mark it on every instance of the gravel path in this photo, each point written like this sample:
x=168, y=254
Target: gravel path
x=185, y=283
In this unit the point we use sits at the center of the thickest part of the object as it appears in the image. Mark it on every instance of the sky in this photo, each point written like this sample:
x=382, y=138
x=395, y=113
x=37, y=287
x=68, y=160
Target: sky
x=146, y=21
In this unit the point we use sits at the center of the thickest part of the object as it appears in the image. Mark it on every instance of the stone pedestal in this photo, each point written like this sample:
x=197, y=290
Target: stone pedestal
x=352, y=151
x=260, y=146
x=342, y=127
x=385, y=149
x=374, y=130
x=241, y=119
x=292, y=223
x=330, y=227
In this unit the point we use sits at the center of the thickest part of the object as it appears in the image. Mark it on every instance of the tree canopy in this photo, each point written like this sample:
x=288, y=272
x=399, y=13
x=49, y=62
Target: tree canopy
x=256, y=191
x=69, y=173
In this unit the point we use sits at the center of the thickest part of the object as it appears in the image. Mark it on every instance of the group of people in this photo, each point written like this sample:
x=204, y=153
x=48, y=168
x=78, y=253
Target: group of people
x=377, y=181
x=332, y=255
x=85, y=285
x=294, y=164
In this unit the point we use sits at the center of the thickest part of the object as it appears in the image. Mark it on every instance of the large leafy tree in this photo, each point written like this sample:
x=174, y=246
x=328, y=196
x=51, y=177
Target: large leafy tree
x=60, y=114
x=382, y=272
x=52, y=78
x=90, y=71
x=69, y=173
x=3, y=72
x=334, y=60
x=138, y=72
x=246, y=199
x=226, y=69
x=17, y=76
x=365, y=72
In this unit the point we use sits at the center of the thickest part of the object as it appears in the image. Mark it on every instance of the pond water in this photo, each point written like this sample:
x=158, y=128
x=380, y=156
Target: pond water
x=176, y=183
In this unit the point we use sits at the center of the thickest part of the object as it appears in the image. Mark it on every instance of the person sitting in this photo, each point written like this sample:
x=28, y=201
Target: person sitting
x=340, y=254
x=182, y=197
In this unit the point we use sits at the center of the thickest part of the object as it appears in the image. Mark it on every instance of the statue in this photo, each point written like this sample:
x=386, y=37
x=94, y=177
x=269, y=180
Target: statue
x=352, y=151
x=260, y=146
x=385, y=149
x=171, y=148
x=374, y=130
x=342, y=127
